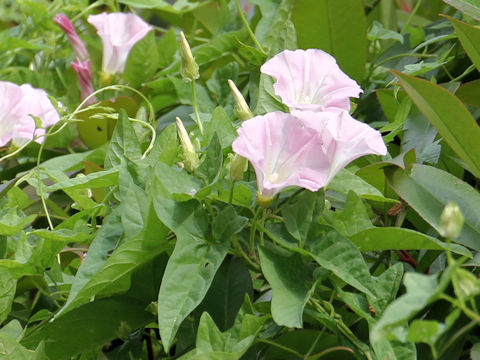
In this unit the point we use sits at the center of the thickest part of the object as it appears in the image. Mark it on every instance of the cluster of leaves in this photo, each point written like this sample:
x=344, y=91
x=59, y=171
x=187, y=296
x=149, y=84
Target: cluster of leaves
x=117, y=252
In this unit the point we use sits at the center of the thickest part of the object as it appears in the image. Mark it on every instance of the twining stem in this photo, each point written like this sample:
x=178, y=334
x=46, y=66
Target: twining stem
x=253, y=228
x=342, y=327
x=195, y=107
x=238, y=248
x=250, y=32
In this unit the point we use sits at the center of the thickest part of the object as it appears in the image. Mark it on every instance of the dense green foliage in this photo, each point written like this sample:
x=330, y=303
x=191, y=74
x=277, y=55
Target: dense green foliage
x=111, y=248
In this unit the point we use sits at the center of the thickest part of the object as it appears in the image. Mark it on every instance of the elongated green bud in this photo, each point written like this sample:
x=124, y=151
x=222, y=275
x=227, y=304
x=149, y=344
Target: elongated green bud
x=241, y=109
x=191, y=159
x=451, y=221
x=238, y=165
x=189, y=68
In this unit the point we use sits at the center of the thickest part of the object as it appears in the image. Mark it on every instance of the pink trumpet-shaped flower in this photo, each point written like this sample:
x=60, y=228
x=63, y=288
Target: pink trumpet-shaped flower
x=77, y=44
x=17, y=106
x=82, y=68
x=310, y=80
x=119, y=33
x=305, y=148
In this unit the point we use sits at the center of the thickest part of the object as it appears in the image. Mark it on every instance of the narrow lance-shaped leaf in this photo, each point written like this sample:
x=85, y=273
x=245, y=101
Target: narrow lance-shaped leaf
x=451, y=118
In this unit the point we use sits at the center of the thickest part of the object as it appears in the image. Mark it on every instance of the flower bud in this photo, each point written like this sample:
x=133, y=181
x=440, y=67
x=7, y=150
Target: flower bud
x=451, y=221
x=190, y=155
x=241, y=109
x=77, y=44
x=82, y=68
x=238, y=165
x=189, y=68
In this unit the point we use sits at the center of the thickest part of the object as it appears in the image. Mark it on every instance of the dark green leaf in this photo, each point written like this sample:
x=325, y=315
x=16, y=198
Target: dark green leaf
x=143, y=60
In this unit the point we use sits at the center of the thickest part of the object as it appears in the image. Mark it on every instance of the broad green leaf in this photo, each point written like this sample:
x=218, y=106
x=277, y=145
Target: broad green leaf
x=299, y=213
x=211, y=165
x=222, y=125
x=124, y=142
x=179, y=7
x=338, y=27
x=395, y=238
x=166, y=147
x=421, y=291
x=93, y=180
x=428, y=190
x=426, y=331
x=468, y=93
x=143, y=60
x=167, y=46
x=336, y=253
x=226, y=294
x=282, y=34
x=468, y=7
x=387, y=285
x=395, y=350
x=189, y=273
x=227, y=223
x=95, y=324
x=13, y=220
x=7, y=293
x=346, y=181
x=378, y=32
x=469, y=36
x=106, y=240
x=292, y=284
x=211, y=344
x=191, y=267
x=267, y=100
x=352, y=219
x=10, y=348
x=451, y=118
x=175, y=182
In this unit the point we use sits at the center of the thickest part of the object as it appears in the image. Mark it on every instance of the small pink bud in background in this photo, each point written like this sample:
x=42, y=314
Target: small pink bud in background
x=77, y=44
x=17, y=106
x=119, y=33
x=82, y=68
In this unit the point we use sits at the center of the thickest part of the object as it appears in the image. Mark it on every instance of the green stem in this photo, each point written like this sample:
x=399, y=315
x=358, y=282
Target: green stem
x=230, y=198
x=195, y=107
x=455, y=337
x=253, y=229
x=250, y=32
x=284, y=348
x=241, y=253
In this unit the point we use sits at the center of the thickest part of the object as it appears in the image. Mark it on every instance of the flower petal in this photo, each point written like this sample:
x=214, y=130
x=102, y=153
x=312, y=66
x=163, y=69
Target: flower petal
x=119, y=33
x=17, y=104
x=310, y=80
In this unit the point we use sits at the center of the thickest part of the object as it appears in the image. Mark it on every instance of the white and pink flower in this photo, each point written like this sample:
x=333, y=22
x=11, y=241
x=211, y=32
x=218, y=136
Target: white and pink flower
x=305, y=148
x=310, y=80
x=18, y=105
x=119, y=33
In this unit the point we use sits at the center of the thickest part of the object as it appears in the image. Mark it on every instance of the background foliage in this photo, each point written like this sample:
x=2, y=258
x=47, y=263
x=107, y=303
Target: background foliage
x=110, y=250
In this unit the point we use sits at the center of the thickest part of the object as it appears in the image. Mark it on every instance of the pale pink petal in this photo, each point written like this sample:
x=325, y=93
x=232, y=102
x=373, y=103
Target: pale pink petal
x=283, y=153
x=310, y=80
x=77, y=44
x=344, y=139
x=119, y=33
x=82, y=68
x=17, y=104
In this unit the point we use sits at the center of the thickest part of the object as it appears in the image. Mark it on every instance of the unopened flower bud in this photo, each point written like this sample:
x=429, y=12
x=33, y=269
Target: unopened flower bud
x=190, y=155
x=451, y=221
x=241, y=109
x=82, y=68
x=77, y=44
x=238, y=165
x=189, y=68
